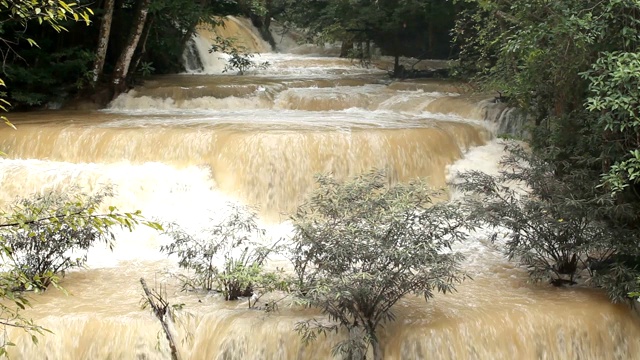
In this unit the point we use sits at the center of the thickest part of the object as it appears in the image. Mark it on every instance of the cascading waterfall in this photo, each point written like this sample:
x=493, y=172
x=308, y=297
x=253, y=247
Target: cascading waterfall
x=191, y=58
x=197, y=56
x=180, y=147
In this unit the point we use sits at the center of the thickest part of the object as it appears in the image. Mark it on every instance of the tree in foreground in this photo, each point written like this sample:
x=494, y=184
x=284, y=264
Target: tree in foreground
x=360, y=246
x=48, y=234
x=573, y=67
x=42, y=237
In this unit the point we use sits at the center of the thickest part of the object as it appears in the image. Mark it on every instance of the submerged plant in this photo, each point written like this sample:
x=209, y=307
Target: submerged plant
x=228, y=257
x=46, y=235
x=43, y=236
x=240, y=59
x=360, y=246
x=559, y=227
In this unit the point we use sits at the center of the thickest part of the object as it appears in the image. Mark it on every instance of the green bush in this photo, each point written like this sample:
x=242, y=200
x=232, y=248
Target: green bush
x=361, y=245
x=46, y=235
x=240, y=59
x=228, y=257
x=43, y=236
x=560, y=227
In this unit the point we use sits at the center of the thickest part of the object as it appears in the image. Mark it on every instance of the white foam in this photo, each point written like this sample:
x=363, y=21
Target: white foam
x=185, y=196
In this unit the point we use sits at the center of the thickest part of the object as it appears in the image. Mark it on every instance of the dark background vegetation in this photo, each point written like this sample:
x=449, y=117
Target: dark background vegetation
x=61, y=63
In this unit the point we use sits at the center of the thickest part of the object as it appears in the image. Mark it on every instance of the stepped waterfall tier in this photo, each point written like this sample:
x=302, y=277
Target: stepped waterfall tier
x=180, y=147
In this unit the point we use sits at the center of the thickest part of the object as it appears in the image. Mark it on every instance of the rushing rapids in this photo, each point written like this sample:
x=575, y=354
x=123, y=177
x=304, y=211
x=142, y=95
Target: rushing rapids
x=180, y=147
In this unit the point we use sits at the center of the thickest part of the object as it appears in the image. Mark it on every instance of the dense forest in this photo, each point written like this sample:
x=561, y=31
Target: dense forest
x=573, y=67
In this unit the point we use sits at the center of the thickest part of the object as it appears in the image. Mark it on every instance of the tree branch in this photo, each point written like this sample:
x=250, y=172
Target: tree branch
x=160, y=309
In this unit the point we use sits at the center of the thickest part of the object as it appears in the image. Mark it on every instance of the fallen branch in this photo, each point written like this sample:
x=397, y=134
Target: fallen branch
x=160, y=308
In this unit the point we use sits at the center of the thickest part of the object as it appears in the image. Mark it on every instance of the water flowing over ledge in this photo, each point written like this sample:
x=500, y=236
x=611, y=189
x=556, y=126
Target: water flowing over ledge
x=180, y=147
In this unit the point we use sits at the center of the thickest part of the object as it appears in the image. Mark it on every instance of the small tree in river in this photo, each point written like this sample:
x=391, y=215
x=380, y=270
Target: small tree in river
x=560, y=224
x=228, y=257
x=360, y=246
x=43, y=236
x=240, y=59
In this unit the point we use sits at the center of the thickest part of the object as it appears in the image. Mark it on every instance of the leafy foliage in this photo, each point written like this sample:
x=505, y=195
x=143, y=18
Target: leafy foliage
x=42, y=237
x=240, y=59
x=51, y=233
x=15, y=300
x=172, y=25
x=398, y=27
x=614, y=87
x=550, y=232
x=44, y=64
x=557, y=230
x=227, y=258
x=14, y=22
x=360, y=246
x=572, y=65
x=146, y=68
x=50, y=12
x=48, y=78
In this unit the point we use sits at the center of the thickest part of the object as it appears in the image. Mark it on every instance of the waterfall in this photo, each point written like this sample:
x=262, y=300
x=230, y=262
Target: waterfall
x=182, y=147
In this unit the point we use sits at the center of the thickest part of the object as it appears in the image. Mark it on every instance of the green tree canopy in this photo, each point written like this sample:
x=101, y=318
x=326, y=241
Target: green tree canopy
x=362, y=245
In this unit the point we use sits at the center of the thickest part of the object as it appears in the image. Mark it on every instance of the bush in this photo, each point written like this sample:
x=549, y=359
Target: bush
x=360, y=246
x=38, y=237
x=228, y=258
x=560, y=226
x=48, y=234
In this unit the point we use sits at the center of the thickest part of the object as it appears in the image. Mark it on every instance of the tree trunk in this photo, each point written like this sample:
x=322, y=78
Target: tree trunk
x=367, y=49
x=377, y=350
x=397, y=70
x=262, y=24
x=267, y=33
x=432, y=40
x=103, y=40
x=356, y=337
x=345, y=48
x=143, y=46
x=118, y=79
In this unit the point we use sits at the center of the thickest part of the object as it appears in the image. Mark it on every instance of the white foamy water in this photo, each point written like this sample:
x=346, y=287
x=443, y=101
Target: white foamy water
x=370, y=98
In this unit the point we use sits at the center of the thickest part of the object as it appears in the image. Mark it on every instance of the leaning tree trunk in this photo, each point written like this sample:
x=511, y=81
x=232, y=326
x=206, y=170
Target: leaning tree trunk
x=103, y=40
x=142, y=47
x=161, y=309
x=119, y=77
x=262, y=24
x=266, y=33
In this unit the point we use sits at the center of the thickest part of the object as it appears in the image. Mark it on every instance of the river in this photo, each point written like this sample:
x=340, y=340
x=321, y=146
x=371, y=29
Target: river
x=180, y=147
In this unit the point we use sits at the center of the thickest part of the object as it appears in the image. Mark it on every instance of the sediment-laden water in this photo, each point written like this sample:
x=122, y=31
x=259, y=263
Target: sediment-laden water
x=180, y=147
